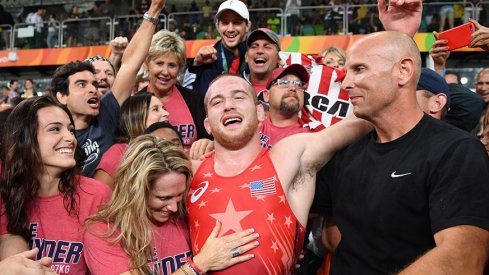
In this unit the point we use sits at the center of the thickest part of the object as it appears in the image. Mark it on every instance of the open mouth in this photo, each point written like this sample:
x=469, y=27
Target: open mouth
x=260, y=61
x=232, y=120
x=103, y=85
x=93, y=102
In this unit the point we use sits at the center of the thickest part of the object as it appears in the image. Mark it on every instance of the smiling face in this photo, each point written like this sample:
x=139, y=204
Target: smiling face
x=232, y=115
x=156, y=112
x=166, y=193
x=163, y=72
x=56, y=139
x=83, y=98
x=262, y=56
x=482, y=85
x=232, y=28
x=104, y=74
x=370, y=80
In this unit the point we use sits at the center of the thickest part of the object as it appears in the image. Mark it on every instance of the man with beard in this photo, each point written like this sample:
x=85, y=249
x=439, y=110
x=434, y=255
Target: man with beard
x=285, y=96
x=244, y=185
x=227, y=55
x=104, y=72
x=106, y=69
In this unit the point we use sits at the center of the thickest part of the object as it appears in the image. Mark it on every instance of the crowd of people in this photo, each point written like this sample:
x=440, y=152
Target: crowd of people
x=93, y=26
x=247, y=161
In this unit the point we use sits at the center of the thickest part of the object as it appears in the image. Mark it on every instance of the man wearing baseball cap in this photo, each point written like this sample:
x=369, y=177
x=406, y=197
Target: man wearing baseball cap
x=227, y=55
x=433, y=94
x=262, y=58
x=285, y=95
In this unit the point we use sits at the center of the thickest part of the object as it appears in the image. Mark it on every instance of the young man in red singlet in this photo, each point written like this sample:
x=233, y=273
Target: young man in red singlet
x=244, y=185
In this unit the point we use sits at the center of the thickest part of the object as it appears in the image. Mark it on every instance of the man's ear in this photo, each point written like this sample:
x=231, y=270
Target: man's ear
x=406, y=71
x=260, y=111
x=266, y=95
x=247, y=58
x=248, y=26
x=440, y=100
x=207, y=126
x=62, y=98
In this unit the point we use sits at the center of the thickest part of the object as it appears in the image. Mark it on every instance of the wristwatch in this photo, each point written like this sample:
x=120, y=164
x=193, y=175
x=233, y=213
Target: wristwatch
x=150, y=18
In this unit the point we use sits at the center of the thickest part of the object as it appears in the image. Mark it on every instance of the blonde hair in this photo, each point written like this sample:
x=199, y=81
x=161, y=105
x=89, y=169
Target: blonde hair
x=145, y=160
x=165, y=42
x=335, y=50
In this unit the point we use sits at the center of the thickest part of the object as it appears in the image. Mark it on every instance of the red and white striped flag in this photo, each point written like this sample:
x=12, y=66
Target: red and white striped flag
x=325, y=103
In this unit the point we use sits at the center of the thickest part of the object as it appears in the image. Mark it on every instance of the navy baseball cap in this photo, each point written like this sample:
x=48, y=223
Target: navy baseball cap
x=432, y=82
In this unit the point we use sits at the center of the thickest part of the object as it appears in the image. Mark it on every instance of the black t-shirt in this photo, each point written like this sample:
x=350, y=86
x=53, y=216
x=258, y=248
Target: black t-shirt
x=99, y=136
x=388, y=199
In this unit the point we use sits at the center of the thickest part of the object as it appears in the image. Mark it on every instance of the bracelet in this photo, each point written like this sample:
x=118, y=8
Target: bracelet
x=193, y=266
x=193, y=271
x=150, y=18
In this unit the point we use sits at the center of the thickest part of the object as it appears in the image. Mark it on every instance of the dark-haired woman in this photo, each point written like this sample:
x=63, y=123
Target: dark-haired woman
x=44, y=199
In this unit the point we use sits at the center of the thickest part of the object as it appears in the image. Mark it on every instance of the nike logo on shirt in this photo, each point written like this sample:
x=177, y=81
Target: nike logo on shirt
x=394, y=175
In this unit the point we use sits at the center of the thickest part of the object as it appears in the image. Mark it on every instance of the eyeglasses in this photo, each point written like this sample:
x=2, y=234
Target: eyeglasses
x=285, y=83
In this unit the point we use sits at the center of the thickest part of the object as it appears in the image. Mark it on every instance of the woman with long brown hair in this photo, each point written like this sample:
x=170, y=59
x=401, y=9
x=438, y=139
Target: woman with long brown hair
x=44, y=199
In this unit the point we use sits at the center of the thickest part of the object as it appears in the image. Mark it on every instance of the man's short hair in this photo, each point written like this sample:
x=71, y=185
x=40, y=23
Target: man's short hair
x=60, y=82
x=13, y=81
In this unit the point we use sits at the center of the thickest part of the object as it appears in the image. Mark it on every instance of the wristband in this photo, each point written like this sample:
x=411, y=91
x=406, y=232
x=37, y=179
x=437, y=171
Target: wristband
x=193, y=266
x=150, y=18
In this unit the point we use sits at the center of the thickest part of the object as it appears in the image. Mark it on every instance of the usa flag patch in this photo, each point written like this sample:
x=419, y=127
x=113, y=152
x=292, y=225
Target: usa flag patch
x=263, y=187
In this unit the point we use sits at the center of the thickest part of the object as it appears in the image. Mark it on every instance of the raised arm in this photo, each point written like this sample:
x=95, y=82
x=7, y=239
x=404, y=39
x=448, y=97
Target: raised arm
x=118, y=45
x=135, y=53
x=459, y=250
x=322, y=145
x=306, y=154
x=440, y=53
x=401, y=15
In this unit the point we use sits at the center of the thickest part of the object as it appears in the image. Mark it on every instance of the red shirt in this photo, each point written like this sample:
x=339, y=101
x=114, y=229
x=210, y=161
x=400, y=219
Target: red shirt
x=251, y=199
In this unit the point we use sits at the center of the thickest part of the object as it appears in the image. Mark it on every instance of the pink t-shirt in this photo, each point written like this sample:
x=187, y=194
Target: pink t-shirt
x=59, y=235
x=171, y=247
x=181, y=118
x=271, y=134
x=112, y=158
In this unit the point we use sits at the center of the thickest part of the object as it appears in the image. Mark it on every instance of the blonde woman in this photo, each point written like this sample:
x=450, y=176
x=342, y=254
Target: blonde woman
x=164, y=63
x=143, y=229
x=334, y=57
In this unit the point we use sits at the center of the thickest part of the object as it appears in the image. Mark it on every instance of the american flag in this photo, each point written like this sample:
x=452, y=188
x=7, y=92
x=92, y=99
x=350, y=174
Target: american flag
x=263, y=187
x=323, y=91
